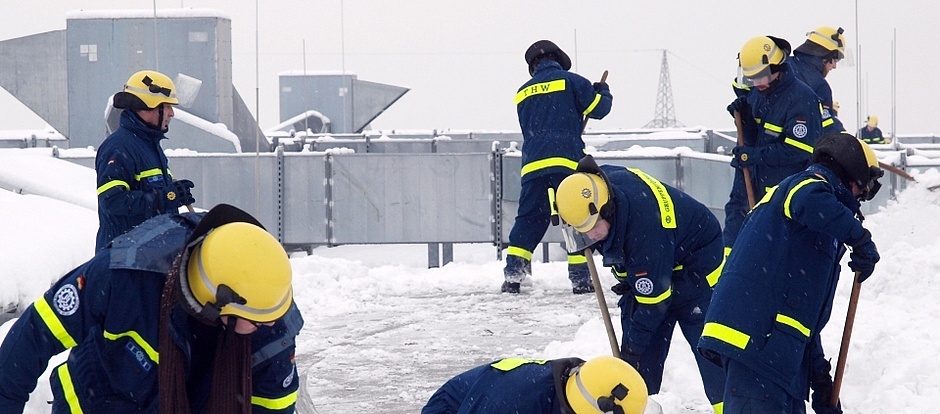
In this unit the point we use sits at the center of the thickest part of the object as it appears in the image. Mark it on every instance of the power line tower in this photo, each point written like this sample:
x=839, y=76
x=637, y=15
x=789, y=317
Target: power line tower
x=665, y=116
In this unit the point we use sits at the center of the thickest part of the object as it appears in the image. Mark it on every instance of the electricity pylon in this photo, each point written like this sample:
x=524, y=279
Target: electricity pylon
x=665, y=116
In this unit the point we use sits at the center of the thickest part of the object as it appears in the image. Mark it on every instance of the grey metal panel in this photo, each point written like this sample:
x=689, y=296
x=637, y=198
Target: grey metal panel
x=327, y=94
x=103, y=52
x=304, y=199
x=357, y=145
x=245, y=127
x=617, y=144
x=33, y=70
x=246, y=181
x=411, y=198
x=461, y=146
x=409, y=146
x=708, y=181
x=370, y=99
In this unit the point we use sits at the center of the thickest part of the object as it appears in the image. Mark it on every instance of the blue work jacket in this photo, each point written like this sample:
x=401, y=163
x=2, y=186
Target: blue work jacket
x=131, y=169
x=107, y=312
x=551, y=108
x=657, y=233
x=511, y=385
x=777, y=287
x=808, y=69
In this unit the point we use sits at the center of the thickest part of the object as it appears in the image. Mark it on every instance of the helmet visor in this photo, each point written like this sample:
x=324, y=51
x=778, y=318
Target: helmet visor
x=575, y=241
x=870, y=189
x=759, y=76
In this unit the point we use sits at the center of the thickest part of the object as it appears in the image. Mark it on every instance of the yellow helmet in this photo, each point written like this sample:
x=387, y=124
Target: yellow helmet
x=872, y=121
x=825, y=42
x=239, y=269
x=760, y=53
x=580, y=198
x=146, y=89
x=856, y=159
x=604, y=384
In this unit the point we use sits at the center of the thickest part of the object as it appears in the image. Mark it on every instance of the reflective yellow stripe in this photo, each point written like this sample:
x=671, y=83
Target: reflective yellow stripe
x=774, y=128
x=786, y=203
x=597, y=99
x=619, y=273
x=139, y=340
x=549, y=162
x=768, y=193
x=111, y=184
x=653, y=301
x=68, y=388
x=509, y=364
x=828, y=122
x=726, y=334
x=520, y=252
x=719, y=408
x=53, y=323
x=678, y=268
x=793, y=323
x=666, y=212
x=148, y=173
x=540, y=88
x=275, y=403
x=798, y=144
x=727, y=252
x=712, y=277
x=577, y=259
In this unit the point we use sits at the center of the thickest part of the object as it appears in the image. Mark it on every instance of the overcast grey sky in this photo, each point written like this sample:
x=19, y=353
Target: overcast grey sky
x=463, y=60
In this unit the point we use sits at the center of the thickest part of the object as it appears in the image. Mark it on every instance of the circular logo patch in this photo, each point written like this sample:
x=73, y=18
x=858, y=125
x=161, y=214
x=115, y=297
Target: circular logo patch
x=644, y=286
x=799, y=130
x=66, y=300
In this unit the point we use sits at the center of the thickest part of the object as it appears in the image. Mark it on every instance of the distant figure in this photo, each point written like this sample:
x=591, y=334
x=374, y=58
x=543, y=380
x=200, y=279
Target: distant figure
x=532, y=386
x=870, y=133
x=188, y=313
x=777, y=288
x=665, y=249
x=551, y=108
x=134, y=181
x=781, y=121
x=813, y=60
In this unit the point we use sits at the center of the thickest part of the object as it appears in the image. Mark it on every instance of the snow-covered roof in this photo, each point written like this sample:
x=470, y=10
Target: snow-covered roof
x=146, y=14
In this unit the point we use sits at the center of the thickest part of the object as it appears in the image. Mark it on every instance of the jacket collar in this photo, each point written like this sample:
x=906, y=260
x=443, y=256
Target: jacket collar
x=133, y=123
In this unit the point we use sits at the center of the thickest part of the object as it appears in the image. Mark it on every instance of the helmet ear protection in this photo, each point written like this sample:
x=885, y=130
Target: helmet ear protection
x=608, y=403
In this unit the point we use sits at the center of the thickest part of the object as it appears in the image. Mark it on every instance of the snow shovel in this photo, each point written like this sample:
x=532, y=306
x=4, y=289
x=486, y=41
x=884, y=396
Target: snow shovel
x=745, y=171
x=846, y=336
x=602, y=302
x=598, y=289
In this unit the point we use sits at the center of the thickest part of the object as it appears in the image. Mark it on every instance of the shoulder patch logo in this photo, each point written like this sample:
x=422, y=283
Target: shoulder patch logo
x=799, y=130
x=644, y=286
x=66, y=300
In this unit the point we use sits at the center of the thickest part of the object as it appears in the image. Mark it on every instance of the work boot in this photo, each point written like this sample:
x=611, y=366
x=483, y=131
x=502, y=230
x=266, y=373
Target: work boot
x=515, y=272
x=580, y=277
x=582, y=287
x=509, y=287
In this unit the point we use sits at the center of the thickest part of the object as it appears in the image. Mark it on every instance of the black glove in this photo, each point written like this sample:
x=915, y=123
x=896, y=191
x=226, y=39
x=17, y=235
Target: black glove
x=183, y=188
x=864, y=256
x=744, y=157
x=601, y=87
x=821, y=383
x=620, y=289
x=740, y=105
